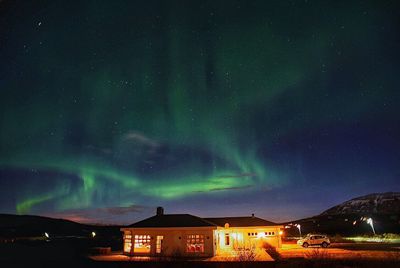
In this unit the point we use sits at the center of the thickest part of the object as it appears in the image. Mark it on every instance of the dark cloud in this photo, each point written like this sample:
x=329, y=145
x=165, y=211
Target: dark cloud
x=124, y=210
x=102, y=215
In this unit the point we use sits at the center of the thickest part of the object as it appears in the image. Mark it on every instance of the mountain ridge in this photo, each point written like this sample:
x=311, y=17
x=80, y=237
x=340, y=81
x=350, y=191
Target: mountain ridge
x=374, y=203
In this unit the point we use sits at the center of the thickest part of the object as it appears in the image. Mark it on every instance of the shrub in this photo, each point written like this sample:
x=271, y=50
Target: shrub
x=391, y=236
x=176, y=253
x=271, y=250
x=247, y=254
x=338, y=239
x=317, y=254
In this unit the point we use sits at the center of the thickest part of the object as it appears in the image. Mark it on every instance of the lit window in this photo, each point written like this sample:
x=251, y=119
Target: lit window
x=227, y=240
x=127, y=243
x=195, y=243
x=142, y=244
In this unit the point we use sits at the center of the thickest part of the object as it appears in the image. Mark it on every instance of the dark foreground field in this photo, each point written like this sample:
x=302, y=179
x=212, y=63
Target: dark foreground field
x=300, y=263
x=74, y=253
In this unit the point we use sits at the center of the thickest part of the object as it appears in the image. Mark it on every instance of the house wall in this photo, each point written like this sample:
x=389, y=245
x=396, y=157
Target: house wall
x=174, y=241
x=241, y=238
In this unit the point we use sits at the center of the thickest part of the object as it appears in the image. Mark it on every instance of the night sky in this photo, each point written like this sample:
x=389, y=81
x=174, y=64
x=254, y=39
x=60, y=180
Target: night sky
x=214, y=108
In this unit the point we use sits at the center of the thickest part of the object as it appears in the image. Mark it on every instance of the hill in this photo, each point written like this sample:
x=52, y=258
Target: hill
x=28, y=227
x=349, y=217
x=377, y=203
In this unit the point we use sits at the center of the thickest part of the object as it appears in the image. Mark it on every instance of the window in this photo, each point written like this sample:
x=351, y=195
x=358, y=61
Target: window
x=159, y=243
x=195, y=243
x=127, y=243
x=227, y=240
x=142, y=244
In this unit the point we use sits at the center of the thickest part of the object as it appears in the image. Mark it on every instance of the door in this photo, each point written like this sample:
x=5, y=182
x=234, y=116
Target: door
x=313, y=240
x=159, y=244
x=318, y=240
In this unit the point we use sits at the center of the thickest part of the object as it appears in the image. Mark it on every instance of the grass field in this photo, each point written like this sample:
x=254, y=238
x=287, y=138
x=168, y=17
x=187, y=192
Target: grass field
x=74, y=253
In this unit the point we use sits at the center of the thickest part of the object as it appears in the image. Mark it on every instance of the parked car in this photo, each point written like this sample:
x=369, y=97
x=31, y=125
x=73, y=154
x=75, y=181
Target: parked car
x=314, y=240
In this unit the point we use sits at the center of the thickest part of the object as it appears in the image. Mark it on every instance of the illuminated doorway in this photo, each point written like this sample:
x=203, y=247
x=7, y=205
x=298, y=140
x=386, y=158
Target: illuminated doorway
x=159, y=243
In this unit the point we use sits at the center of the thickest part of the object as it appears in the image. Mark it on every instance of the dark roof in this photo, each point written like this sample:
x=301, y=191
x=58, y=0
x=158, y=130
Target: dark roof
x=173, y=220
x=240, y=221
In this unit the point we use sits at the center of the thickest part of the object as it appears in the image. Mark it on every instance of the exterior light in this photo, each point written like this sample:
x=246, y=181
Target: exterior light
x=46, y=235
x=93, y=234
x=298, y=227
x=261, y=234
x=371, y=223
x=280, y=232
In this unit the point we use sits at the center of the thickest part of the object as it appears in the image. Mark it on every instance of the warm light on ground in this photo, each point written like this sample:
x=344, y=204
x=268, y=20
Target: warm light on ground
x=288, y=251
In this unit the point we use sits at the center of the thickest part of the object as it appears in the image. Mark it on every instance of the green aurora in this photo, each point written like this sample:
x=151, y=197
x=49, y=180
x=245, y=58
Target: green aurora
x=126, y=103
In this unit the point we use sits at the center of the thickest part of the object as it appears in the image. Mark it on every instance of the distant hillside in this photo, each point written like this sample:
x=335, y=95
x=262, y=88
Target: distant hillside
x=377, y=203
x=35, y=226
x=349, y=217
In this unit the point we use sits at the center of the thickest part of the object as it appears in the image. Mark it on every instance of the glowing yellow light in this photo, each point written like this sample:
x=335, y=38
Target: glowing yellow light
x=280, y=232
x=93, y=234
x=260, y=234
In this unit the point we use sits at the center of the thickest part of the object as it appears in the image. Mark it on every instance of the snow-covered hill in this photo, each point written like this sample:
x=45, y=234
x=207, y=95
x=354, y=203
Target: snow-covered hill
x=377, y=203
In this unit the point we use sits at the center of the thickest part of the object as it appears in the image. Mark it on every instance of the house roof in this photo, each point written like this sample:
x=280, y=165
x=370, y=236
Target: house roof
x=240, y=221
x=187, y=220
x=173, y=220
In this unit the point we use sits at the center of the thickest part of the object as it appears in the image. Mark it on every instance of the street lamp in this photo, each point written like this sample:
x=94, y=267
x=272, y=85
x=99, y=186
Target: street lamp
x=298, y=227
x=371, y=223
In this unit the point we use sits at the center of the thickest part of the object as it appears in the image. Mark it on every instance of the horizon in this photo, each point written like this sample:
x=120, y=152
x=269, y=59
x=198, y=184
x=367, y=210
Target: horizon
x=88, y=222
x=281, y=109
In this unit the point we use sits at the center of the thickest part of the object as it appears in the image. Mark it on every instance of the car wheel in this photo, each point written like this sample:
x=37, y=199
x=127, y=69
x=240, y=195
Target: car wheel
x=324, y=245
x=305, y=245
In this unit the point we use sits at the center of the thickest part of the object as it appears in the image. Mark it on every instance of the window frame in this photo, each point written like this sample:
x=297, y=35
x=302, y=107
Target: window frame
x=195, y=243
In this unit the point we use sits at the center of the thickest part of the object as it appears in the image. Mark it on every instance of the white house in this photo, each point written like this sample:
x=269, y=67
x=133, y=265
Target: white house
x=191, y=236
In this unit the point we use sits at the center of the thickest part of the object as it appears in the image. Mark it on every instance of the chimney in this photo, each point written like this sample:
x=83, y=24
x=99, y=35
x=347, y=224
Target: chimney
x=160, y=211
x=252, y=215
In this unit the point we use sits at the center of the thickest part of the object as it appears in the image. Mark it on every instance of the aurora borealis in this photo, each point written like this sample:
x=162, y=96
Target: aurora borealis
x=280, y=108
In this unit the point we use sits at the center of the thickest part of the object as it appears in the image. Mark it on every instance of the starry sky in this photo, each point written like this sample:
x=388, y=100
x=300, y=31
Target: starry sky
x=109, y=109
